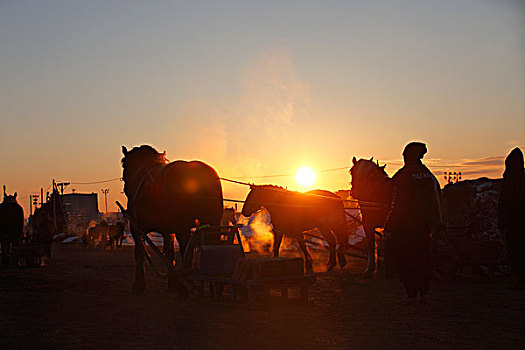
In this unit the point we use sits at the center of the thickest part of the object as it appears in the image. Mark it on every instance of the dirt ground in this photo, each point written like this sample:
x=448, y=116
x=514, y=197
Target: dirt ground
x=82, y=301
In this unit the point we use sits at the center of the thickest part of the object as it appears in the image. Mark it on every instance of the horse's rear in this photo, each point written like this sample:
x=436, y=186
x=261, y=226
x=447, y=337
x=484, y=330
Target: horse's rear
x=330, y=215
x=197, y=186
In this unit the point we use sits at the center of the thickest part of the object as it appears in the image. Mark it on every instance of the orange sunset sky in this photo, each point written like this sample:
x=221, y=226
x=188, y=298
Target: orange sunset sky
x=256, y=88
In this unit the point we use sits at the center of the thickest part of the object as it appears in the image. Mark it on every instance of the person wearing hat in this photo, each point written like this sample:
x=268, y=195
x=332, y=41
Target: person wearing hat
x=414, y=214
x=511, y=211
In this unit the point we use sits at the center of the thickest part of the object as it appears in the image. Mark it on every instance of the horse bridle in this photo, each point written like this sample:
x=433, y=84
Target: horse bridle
x=141, y=183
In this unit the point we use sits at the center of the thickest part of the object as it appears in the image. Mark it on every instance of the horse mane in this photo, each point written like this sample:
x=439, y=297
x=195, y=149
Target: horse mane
x=374, y=183
x=272, y=187
x=147, y=153
x=366, y=166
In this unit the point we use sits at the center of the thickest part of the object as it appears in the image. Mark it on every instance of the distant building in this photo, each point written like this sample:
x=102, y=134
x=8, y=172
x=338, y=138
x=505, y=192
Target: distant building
x=80, y=209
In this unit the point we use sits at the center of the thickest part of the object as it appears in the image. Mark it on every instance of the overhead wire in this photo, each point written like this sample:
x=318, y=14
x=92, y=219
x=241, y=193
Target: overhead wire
x=236, y=178
x=96, y=182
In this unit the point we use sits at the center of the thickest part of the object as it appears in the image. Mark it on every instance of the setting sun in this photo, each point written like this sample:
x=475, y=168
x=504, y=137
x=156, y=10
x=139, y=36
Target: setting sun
x=305, y=176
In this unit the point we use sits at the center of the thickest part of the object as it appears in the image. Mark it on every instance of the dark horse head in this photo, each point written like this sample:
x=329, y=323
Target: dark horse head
x=137, y=162
x=258, y=197
x=9, y=198
x=167, y=198
x=366, y=176
x=293, y=213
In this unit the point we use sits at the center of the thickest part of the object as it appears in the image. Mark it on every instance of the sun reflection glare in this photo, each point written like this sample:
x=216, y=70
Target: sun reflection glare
x=305, y=176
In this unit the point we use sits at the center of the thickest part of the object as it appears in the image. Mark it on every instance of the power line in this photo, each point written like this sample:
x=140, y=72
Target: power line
x=96, y=182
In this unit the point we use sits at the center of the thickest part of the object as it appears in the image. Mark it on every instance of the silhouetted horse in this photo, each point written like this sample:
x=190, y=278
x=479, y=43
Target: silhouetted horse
x=11, y=225
x=116, y=234
x=98, y=236
x=293, y=213
x=372, y=187
x=47, y=221
x=167, y=198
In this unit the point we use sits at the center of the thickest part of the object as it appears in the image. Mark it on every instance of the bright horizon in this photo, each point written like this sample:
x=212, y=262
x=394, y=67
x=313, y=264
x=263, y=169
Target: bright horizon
x=257, y=88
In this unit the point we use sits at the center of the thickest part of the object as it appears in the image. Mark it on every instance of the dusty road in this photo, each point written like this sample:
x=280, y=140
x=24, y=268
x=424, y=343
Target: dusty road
x=82, y=301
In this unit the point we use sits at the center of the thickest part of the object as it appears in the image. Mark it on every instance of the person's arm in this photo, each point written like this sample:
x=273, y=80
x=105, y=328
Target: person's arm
x=389, y=222
x=436, y=219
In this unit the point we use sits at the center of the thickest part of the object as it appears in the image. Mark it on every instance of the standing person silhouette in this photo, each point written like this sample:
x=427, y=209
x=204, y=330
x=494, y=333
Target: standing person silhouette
x=511, y=211
x=414, y=214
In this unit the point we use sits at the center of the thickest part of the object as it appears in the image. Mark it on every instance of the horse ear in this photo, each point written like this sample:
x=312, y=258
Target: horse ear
x=372, y=158
x=15, y=194
x=124, y=150
x=4, y=190
x=354, y=160
x=383, y=167
x=377, y=162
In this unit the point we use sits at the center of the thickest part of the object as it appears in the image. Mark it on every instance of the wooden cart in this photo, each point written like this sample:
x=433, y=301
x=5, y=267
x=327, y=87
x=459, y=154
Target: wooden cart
x=220, y=262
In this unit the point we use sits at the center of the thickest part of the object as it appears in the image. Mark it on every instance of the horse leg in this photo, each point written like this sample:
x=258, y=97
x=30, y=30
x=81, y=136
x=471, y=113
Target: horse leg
x=169, y=251
x=330, y=239
x=139, y=284
x=277, y=239
x=307, y=257
x=184, y=240
x=371, y=250
x=340, y=232
x=341, y=253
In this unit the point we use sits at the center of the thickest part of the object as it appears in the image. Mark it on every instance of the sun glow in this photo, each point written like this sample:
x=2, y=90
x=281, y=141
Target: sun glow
x=305, y=176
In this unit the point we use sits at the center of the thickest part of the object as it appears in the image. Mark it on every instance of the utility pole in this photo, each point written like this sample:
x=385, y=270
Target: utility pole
x=62, y=186
x=105, y=191
x=33, y=201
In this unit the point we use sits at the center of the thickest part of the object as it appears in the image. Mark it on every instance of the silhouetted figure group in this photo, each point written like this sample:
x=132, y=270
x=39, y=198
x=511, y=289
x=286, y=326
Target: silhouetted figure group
x=414, y=215
x=511, y=218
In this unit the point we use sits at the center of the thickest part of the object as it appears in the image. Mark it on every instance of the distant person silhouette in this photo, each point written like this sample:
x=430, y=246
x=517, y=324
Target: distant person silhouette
x=511, y=214
x=414, y=214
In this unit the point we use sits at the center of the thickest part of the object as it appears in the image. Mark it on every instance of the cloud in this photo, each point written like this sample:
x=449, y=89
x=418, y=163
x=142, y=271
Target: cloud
x=487, y=161
x=514, y=143
x=244, y=137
